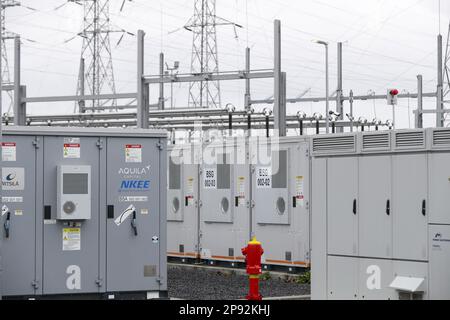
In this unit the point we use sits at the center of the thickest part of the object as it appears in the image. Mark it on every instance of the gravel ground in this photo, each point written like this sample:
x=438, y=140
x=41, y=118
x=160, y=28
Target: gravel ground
x=191, y=283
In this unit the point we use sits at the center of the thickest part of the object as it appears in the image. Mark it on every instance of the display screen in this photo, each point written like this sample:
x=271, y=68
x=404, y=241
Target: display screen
x=75, y=183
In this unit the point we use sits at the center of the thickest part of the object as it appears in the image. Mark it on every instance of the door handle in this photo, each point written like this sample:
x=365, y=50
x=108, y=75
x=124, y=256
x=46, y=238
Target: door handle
x=354, y=207
x=424, y=208
x=388, y=207
x=7, y=224
x=134, y=224
x=110, y=212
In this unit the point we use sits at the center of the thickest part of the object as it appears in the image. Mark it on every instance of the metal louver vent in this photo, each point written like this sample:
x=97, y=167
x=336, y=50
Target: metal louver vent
x=344, y=143
x=410, y=139
x=441, y=138
x=376, y=141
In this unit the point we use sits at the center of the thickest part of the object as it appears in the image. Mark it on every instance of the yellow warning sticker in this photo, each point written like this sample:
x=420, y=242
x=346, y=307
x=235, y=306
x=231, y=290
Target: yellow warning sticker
x=299, y=189
x=71, y=239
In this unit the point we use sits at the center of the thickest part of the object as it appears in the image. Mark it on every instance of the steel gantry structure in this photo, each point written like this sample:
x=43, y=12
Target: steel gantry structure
x=146, y=115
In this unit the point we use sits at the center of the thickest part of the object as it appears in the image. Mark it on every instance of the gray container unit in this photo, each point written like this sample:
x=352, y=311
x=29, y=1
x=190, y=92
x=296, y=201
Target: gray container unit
x=87, y=214
x=183, y=202
x=280, y=200
x=379, y=226
x=224, y=194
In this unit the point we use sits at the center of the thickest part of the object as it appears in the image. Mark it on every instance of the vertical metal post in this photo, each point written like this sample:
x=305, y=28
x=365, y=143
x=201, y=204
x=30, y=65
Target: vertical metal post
x=82, y=103
x=1, y=147
x=282, y=116
x=419, y=112
x=351, y=100
x=339, y=92
x=161, y=85
x=17, y=93
x=440, y=87
x=247, y=102
x=142, y=106
x=279, y=120
x=327, y=113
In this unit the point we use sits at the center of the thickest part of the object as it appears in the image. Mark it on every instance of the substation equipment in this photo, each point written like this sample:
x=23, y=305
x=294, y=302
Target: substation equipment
x=238, y=190
x=83, y=213
x=380, y=217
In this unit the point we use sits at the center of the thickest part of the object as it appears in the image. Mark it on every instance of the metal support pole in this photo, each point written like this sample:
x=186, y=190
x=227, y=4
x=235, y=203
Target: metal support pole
x=301, y=127
x=351, y=110
x=161, y=85
x=230, y=124
x=249, y=124
x=317, y=127
x=333, y=127
x=267, y=126
x=1, y=147
x=282, y=116
x=280, y=124
x=419, y=113
x=82, y=103
x=247, y=102
x=17, y=93
x=142, y=106
x=327, y=112
x=339, y=92
x=440, y=87
x=20, y=119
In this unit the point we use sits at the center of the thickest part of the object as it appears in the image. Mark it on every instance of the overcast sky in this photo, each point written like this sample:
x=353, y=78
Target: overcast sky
x=386, y=44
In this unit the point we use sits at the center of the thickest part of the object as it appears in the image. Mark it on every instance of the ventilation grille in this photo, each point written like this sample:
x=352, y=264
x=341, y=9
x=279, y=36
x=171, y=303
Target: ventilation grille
x=376, y=141
x=441, y=138
x=345, y=143
x=410, y=139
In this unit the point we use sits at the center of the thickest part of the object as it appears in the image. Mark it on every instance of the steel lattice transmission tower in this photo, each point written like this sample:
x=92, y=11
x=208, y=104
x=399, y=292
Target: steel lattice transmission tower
x=205, y=56
x=6, y=35
x=96, y=69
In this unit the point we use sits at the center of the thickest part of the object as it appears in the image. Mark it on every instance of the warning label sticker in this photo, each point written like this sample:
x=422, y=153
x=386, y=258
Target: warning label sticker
x=264, y=177
x=299, y=190
x=190, y=186
x=210, y=179
x=8, y=151
x=72, y=148
x=133, y=153
x=241, y=190
x=71, y=239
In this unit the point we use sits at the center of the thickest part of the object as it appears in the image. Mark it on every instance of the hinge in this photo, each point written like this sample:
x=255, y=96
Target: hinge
x=160, y=146
x=160, y=280
x=36, y=143
x=200, y=203
x=307, y=153
x=35, y=284
x=307, y=205
x=99, y=283
x=253, y=203
x=100, y=144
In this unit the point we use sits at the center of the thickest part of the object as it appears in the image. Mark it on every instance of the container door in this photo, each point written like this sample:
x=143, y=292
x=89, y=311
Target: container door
x=271, y=189
x=175, y=201
x=342, y=278
x=375, y=218
x=342, y=193
x=18, y=215
x=410, y=207
x=71, y=248
x=216, y=187
x=134, y=184
x=439, y=182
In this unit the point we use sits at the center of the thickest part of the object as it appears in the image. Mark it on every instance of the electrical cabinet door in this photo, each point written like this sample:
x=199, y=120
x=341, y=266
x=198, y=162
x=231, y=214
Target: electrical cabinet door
x=439, y=262
x=175, y=201
x=19, y=200
x=375, y=219
x=71, y=248
x=342, y=193
x=342, y=278
x=216, y=187
x=410, y=207
x=271, y=187
x=375, y=276
x=133, y=213
x=439, y=183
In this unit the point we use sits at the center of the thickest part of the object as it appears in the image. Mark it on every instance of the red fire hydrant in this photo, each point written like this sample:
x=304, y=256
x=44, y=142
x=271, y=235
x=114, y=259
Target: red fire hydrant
x=253, y=253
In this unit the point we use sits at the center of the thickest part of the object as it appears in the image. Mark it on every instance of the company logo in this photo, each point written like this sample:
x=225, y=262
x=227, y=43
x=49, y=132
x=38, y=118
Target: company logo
x=134, y=171
x=135, y=185
x=374, y=280
x=13, y=178
x=438, y=236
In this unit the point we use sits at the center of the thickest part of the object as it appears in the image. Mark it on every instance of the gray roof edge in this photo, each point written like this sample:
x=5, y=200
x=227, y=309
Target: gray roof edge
x=83, y=132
